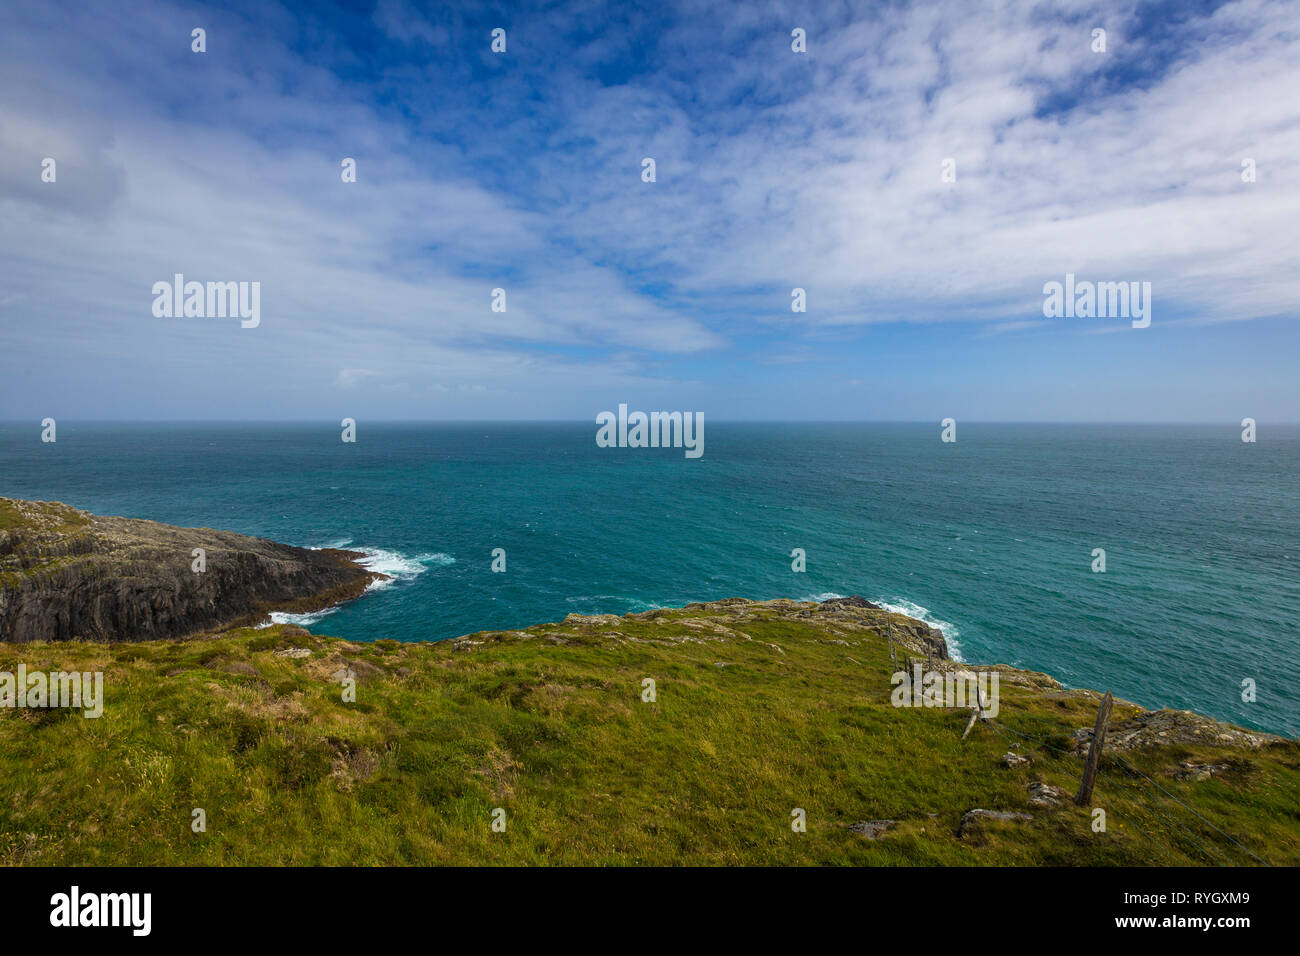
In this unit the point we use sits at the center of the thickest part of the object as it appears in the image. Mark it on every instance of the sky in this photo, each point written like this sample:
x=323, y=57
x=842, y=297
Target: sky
x=523, y=170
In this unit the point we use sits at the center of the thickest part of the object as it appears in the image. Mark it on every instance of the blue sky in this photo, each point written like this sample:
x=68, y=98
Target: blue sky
x=775, y=170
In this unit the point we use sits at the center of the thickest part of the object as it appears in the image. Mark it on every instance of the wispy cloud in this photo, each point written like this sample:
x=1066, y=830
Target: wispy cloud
x=522, y=172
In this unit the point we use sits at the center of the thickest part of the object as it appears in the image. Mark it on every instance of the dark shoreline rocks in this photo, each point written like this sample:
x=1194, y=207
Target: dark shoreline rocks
x=66, y=574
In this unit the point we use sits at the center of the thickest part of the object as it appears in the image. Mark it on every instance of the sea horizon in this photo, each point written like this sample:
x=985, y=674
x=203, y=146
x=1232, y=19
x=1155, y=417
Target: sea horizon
x=1229, y=425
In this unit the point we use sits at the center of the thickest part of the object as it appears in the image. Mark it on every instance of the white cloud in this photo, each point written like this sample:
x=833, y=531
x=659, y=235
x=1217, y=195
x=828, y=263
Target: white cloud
x=774, y=171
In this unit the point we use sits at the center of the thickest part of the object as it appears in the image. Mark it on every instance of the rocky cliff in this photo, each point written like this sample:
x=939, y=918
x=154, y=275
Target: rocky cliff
x=66, y=575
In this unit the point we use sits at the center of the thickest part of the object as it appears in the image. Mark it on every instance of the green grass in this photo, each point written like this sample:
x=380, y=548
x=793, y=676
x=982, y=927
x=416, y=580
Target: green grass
x=9, y=516
x=551, y=727
x=58, y=517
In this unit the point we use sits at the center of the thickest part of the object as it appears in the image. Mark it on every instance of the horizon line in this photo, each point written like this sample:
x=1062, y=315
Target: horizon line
x=1234, y=423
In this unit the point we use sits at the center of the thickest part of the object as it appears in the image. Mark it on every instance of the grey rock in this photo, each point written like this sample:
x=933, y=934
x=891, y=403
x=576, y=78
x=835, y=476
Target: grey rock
x=1158, y=728
x=973, y=818
x=871, y=829
x=1045, y=795
x=1188, y=770
x=855, y=601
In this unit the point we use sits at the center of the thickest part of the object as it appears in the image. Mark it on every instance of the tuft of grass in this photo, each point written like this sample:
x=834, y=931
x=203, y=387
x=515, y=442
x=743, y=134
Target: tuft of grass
x=9, y=516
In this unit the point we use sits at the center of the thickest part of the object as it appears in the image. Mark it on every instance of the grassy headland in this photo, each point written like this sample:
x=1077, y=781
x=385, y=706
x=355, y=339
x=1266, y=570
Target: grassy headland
x=760, y=708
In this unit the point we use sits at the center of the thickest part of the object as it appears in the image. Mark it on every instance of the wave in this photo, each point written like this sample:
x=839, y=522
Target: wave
x=903, y=606
x=398, y=566
x=302, y=620
x=947, y=629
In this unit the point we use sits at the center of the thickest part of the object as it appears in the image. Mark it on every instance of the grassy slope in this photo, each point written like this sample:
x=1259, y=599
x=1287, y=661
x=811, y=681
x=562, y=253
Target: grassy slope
x=557, y=734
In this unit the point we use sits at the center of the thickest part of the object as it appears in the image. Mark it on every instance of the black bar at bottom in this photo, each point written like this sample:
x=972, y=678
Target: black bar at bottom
x=336, y=906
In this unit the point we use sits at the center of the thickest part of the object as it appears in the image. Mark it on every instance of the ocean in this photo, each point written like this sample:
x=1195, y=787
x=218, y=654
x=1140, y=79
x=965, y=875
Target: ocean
x=990, y=538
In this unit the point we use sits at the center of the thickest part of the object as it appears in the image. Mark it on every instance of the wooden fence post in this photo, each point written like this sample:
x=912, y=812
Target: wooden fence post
x=1084, y=797
x=979, y=706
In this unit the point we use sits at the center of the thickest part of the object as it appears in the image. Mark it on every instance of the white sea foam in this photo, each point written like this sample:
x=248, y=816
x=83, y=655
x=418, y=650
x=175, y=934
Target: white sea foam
x=949, y=631
x=397, y=566
x=302, y=620
x=904, y=606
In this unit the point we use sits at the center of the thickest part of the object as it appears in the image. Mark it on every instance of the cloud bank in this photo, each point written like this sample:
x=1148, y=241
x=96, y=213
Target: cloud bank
x=522, y=171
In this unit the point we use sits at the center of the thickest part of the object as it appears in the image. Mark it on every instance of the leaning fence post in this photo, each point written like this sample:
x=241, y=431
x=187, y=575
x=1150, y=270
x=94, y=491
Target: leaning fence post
x=979, y=707
x=1084, y=797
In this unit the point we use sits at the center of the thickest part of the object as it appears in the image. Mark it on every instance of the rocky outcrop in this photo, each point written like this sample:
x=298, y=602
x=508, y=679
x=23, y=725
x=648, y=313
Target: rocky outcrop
x=843, y=618
x=1189, y=770
x=1157, y=728
x=855, y=601
x=1042, y=794
x=871, y=829
x=66, y=575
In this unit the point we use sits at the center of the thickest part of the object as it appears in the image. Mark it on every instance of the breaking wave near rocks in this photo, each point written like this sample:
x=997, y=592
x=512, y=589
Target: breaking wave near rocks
x=398, y=568
x=911, y=609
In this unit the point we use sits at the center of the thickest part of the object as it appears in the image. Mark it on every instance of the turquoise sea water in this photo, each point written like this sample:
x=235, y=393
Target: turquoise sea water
x=990, y=538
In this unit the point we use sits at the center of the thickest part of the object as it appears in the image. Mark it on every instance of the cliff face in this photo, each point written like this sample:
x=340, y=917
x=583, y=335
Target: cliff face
x=66, y=574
